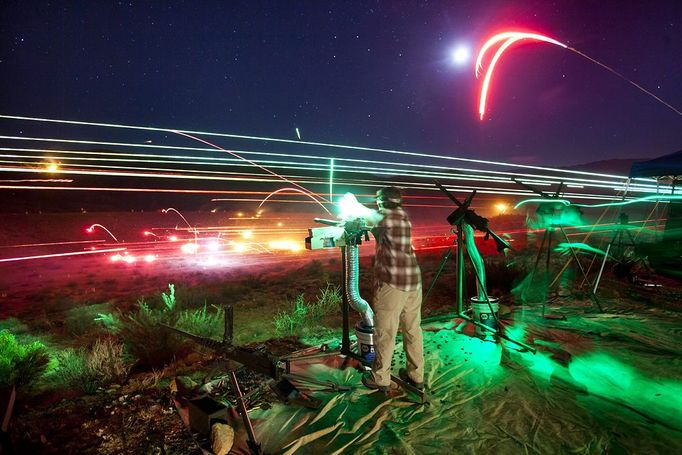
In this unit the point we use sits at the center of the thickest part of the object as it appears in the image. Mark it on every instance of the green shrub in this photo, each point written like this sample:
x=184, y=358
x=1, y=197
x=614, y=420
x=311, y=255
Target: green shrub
x=110, y=321
x=169, y=299
x=80, y=320
x=292, y=322
x=72, y=372
x=88, y=369
x=147, y=340
x=328, y=301
x=203, y=322
x=143, y=333
x=306, y=318
x=21, y=364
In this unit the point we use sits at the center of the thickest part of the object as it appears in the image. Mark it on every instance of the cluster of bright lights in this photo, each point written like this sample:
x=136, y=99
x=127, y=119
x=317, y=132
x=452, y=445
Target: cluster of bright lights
x=189, y=248
x=238, y=247
x=131, y=259
x=285, y=245
x=502, y=208
x=52, y=167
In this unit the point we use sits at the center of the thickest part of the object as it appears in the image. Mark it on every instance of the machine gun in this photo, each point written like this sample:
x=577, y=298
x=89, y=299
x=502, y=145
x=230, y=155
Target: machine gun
x=347, y=235
x=476, y=221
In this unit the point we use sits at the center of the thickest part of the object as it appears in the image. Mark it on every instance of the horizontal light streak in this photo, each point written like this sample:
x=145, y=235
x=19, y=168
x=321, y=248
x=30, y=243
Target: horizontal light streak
x=373, y=183
x=202, y=191
x=28, y=245
x=296, y=166
x=57, y=255
x=501, y=174
x=310, y=143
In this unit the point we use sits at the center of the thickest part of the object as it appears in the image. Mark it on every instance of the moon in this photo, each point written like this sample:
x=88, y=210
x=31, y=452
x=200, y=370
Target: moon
x=460, y=55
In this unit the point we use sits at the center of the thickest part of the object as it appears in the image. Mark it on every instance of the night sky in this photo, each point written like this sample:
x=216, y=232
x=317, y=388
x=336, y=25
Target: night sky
x=376, y=74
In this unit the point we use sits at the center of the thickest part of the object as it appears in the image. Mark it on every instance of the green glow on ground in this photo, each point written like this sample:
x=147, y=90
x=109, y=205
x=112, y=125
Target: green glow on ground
x=603, y=375
x=532, y=288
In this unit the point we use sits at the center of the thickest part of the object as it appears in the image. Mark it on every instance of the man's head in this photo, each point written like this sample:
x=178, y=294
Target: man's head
x=389, y=197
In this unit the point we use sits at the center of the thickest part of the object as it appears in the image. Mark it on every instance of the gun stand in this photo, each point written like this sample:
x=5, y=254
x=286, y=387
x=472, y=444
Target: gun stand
x=461, y=216
x=551, y=213
x=617, y=241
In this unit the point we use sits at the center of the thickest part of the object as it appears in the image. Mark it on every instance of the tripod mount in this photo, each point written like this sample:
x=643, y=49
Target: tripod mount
x=466, y=219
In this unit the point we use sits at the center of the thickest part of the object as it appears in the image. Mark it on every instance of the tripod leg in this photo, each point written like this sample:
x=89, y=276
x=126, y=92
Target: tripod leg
x=601, y=269
x=539, y=255
x=460, y=269
x=441, y=266
x=550, y=234
x=593, y=296
x=535, y=266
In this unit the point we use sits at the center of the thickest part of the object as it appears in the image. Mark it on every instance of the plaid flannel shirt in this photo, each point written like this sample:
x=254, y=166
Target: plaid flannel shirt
x=395, y=262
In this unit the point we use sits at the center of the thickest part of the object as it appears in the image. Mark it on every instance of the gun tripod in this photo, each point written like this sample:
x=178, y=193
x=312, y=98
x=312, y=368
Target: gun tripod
x=547, y=239
x=466, y=220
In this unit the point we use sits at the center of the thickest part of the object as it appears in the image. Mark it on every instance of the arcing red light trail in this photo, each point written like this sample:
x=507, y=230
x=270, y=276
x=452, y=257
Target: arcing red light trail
x=509, y=38
x=91, y=229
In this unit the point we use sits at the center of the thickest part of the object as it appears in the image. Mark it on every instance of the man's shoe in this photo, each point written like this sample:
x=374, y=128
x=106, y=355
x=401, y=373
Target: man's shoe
x=402, y=374
x=370, y=383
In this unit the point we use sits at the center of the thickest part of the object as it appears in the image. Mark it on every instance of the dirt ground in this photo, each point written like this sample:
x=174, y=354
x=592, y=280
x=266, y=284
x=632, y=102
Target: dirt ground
x=600, y=382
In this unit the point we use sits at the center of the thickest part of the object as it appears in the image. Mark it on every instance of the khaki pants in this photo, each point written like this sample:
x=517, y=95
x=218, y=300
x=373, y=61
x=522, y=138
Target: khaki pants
x=394, y=308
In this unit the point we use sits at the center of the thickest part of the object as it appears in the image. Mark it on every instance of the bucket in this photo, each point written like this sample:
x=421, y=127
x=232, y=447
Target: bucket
x=481, y=314
x=365, y=336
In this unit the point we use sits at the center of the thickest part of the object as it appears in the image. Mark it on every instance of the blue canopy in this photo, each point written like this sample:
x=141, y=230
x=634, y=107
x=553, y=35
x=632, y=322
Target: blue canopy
x=667, y=165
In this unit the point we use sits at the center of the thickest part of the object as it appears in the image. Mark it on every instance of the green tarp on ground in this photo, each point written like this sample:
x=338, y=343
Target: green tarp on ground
x=599, y=382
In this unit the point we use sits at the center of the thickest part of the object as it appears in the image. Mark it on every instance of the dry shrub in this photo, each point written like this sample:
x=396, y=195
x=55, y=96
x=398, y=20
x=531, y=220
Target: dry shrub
x=87, y=369
x=106, y=358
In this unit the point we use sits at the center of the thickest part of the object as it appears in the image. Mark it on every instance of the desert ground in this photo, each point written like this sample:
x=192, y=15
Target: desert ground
x=599, y=380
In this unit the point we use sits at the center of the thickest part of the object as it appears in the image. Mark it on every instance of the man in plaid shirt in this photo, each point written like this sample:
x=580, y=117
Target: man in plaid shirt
x=397, y=295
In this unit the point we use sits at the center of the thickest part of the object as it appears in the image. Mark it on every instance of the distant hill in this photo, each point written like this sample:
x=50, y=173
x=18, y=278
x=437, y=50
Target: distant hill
x=618, y=166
